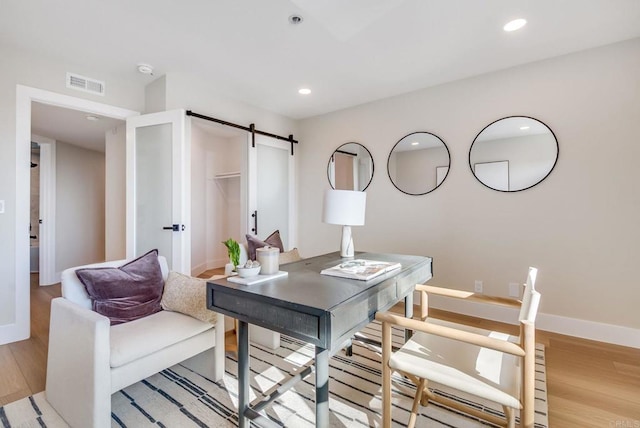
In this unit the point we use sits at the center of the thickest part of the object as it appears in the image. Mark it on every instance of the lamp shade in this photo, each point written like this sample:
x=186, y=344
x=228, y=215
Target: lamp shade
x=344, y=207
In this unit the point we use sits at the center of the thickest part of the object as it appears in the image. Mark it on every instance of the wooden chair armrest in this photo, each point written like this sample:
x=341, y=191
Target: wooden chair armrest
x=469, y=296
x=451, y=333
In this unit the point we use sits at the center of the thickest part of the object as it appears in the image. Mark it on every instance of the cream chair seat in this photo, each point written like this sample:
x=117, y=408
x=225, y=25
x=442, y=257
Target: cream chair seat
x=464, y=366
x=489, y=364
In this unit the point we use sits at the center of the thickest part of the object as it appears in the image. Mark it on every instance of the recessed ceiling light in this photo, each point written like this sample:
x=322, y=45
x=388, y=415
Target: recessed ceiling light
x=514, y=25
x=415, y=143
x=304, y=91
x=524, y=128
x=145, y=69
x=295, y=19
x=91, y=117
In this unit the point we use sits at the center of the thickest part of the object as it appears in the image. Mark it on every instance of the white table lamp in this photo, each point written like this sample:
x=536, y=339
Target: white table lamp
x=346, y=208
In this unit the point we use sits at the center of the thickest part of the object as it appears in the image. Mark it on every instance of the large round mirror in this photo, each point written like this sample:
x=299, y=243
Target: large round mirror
x=418, y=163
x=513, y=154
x=350, y=167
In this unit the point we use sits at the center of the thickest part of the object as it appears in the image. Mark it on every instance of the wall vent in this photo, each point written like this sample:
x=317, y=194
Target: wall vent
x=86, y=84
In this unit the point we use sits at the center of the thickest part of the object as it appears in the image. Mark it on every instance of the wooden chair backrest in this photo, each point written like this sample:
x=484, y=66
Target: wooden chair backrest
x=530, y=298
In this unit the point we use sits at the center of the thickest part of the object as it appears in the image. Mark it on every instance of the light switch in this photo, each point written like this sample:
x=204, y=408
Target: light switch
x=2, y=207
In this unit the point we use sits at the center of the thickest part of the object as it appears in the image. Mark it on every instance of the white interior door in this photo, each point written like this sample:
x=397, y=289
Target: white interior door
x=158, y=187
x=271, y=193
x=47, y=233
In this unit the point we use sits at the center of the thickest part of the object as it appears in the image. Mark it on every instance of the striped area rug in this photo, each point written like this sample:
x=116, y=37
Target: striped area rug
x=178, y=397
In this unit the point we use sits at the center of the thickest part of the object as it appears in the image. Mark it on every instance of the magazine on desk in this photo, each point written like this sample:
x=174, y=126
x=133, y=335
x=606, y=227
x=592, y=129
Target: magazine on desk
x=363, y=270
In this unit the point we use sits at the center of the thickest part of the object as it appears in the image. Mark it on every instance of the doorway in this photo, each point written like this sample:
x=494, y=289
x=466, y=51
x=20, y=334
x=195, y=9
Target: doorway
x=20, y=309
x=69, y=218
x=218, y=176
x=239, y=186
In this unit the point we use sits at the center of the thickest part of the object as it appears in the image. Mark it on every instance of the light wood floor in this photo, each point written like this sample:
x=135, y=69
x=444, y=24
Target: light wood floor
x=590, y=384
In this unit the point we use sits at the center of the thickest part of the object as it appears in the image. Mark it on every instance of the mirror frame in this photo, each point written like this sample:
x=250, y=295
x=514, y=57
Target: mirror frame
x=525, y=188
x=443, y=180
x=373, y=164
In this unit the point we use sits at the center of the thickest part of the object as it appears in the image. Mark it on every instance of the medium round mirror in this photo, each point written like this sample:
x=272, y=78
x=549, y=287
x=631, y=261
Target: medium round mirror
x=418, y=163
x=350, y=167
x=513, y=154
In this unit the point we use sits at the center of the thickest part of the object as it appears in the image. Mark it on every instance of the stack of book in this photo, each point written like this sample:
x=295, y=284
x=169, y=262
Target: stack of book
x=363, y=270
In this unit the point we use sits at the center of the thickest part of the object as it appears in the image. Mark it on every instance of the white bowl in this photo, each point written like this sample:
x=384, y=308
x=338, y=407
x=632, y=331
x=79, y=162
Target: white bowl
x=248, y=272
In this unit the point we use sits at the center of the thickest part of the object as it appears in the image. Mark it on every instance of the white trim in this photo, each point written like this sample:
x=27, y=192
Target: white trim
x=609, y=333
x=217, y=263
x=185, y=124
x=198, y=269
x=211, y=264
x=19, y=330
x=601, y=332
x=293, y=199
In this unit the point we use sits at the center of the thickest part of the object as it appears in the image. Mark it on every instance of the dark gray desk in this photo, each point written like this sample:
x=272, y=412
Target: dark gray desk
x=322, y=310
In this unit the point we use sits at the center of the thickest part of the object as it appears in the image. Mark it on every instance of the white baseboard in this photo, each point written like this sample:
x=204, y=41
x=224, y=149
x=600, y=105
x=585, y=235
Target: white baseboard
x=217, y=263
x=198, y=269
x=609, y=333
x=211, y=264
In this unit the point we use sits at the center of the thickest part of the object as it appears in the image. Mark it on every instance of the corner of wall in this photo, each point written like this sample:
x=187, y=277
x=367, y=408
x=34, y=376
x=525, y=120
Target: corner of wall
x=155, y=95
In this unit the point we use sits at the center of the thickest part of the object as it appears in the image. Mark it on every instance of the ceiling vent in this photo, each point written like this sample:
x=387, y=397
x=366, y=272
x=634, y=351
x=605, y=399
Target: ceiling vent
x=86, y=84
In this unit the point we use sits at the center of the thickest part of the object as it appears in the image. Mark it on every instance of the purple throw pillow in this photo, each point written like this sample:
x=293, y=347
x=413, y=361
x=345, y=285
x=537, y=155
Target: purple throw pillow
x=128, y=292
x=272, y=240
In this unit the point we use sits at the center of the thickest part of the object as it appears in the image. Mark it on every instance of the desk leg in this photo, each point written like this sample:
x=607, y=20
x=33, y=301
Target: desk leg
x=322, y=387
x=408, y=313
x=243, y=373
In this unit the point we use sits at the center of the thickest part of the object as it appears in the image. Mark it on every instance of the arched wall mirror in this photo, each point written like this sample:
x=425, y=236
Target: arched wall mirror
x=350, y=167
x=418, y=163
x=513, y=154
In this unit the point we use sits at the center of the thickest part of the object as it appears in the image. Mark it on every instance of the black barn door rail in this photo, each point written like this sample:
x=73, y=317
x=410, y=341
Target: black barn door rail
x=251, y=128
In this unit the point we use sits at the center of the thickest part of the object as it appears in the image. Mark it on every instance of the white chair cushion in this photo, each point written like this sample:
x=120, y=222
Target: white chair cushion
x=478, y=371
x=139, y=338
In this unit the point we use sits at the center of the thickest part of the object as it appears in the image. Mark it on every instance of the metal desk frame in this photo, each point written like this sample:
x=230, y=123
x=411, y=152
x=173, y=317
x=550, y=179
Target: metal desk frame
x=318, y=309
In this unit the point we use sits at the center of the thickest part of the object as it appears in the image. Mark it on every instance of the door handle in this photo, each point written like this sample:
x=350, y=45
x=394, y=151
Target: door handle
x=174, y=227
x=255, y=222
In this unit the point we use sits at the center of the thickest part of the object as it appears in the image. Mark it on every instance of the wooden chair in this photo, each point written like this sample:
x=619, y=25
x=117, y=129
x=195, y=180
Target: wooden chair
x=486, y=364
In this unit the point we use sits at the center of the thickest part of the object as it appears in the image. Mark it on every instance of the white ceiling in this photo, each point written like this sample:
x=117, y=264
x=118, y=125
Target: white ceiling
x=71, y=126
x=512, y=127
x=347, y=52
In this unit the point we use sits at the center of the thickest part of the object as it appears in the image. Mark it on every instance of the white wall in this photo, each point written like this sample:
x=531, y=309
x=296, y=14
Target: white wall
x=215, y=203
x=224, y=217
x=80, y=206
x=156, y=95
x=579, y=227
x=200, y=95
x=115, y=194
x=20, y=68
x=199, y=237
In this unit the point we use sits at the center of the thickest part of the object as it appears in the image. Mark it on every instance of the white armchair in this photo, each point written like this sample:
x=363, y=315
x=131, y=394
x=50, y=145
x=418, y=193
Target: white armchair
x=89, y=359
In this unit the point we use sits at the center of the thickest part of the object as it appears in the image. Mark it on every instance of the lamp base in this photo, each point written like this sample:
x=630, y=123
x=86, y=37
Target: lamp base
x=346, y=244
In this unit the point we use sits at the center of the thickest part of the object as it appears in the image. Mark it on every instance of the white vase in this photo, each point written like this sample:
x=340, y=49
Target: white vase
x=228, y=269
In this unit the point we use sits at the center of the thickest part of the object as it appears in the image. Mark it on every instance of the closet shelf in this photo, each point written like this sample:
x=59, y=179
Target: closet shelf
x=226, y=175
